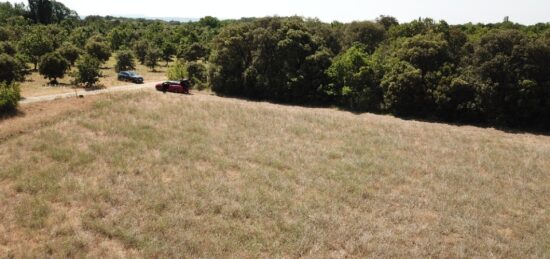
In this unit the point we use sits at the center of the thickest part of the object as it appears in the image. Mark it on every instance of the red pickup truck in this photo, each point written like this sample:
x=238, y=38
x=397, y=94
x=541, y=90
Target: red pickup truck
x=181, y=86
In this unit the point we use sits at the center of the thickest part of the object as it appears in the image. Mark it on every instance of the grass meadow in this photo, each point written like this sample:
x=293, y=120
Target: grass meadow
x=152, y=175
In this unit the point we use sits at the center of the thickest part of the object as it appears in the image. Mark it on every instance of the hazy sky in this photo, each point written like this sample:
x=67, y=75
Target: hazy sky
x=453, y=11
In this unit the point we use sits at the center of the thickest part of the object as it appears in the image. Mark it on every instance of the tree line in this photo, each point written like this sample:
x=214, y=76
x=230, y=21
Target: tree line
x=494, y=74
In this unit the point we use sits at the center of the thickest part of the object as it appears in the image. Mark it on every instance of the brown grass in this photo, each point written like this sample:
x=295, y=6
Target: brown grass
x=37, y=85
x=154, y=175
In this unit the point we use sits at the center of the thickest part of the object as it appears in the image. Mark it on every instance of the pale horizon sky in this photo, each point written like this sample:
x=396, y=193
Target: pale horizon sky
x=453, y=11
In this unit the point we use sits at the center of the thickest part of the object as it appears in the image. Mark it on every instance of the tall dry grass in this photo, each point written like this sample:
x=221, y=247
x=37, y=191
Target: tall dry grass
x=153, y=175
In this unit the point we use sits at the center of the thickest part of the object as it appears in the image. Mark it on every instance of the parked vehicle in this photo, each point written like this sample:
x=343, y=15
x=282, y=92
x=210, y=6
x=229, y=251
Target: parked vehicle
x=181, y=86
x=130, y=76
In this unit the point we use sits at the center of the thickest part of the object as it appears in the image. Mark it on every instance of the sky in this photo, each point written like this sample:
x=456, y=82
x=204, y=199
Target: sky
x=453, y=11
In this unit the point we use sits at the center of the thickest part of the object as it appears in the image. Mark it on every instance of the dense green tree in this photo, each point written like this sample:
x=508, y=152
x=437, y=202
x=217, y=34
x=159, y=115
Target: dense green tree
x=52, y=66
x=49, y=11
x=194, y=52
x=152, y=57
x=411, y=29
x=355, y=81
x=80, y=36
x=34, y=45
x=514, y=81
x=271, y=58
x=211, y=22
x=11, y=69
x=98, y=49
x=70, y=52
x=196, y=72
x=368, y=33
x=167, y=51
x=41, y=11
x=88, y=70
x=387, y=21
x=404, y=91
x=117, y=38
x=140, y=50
x=60, y=12
x=426, y=52
x=125, y=60
x=5, y=34
x=7, y=47
x=9, y=10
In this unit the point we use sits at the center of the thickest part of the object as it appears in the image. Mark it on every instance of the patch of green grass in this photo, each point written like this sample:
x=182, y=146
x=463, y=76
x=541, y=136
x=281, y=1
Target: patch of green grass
x=32, y=213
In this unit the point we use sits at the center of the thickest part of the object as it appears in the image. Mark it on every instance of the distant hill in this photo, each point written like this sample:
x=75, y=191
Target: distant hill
x=168, y=19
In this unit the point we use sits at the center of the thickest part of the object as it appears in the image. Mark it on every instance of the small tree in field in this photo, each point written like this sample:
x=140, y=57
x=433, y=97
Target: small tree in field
x=70, y=52
x=140, y=49
x=124, y=61
x=168, y=50
x=53, y=66
x=152, y=58
x=34, y=45
x=88, y=71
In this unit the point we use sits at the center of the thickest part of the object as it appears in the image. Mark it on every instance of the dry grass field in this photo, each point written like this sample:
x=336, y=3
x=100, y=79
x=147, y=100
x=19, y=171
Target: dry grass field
x=152, y=175
x=37, y=85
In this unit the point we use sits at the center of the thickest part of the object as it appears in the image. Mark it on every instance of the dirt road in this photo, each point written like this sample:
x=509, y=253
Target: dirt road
x=35, y=99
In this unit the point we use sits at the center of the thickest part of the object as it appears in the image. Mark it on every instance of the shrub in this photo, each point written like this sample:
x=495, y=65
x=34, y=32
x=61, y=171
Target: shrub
x=88, y=70
x=177, y=71
x=124, y=61
x=9, y=97
x=53, y=66
x=196, y=71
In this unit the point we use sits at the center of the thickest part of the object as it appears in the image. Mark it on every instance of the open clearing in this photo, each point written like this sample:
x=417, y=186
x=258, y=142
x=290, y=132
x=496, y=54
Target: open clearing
x=37, y=85
x=153, y=175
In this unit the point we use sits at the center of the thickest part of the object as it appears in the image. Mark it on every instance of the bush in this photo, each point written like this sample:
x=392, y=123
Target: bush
x=11, y=69
x=177, y=71
x=53, y=66
x=88, y=70
x=9, y=97
x=124, y=61
x=196, y=71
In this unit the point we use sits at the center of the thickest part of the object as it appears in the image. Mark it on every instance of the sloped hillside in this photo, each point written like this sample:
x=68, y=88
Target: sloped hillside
x=153, y=175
